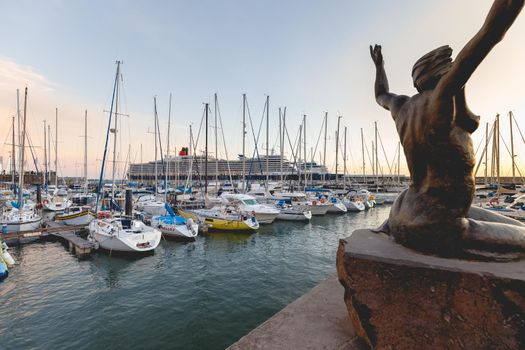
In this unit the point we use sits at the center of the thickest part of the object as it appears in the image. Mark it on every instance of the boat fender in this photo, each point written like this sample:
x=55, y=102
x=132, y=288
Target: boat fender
x=45, y=201
x=314, y=203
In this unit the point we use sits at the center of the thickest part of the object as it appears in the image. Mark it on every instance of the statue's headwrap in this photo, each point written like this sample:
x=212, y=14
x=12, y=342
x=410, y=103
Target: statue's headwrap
x=431, y=67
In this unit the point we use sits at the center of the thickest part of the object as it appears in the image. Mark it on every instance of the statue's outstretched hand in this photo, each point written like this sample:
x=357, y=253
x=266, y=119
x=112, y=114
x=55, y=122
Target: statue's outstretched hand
x=376, y=54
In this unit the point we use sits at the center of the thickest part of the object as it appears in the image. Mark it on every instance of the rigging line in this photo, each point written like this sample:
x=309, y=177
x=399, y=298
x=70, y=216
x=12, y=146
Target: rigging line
x=484, y=150
x=256, y=139
x=319, y=137
x=224, y=141
x=294, y=164
x=521, y=134
x=30, y=144
x=384, y=153
x=508, y=151
x=479, y=144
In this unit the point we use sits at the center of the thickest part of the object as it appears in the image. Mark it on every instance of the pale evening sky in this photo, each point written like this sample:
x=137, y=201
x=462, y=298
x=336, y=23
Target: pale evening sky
x=311, y=56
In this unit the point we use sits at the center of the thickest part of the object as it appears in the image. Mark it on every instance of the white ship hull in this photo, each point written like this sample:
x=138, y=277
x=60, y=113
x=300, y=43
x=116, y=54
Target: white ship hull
x=133, y=240
x=294, y=215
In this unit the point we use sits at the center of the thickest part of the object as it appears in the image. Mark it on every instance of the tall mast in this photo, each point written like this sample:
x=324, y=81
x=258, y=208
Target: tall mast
x=243, y=141
x=267, y=140
x=45, y=154
x=304, y=156
x=13, y=157
x=282, y=152
x=85, y=153
x=156, y=149
x=206, y=152
x=167, y=154
x=216, y=147
x=486, y=151
x=141, y=167
x=22, y=148
x=399, y=162
x=376, y=158
x=324, y=148
x=115, y=130
x=49, y=152
x=281, y=144
x=512, y=148
x=363, y=155
x=344, y=162
x=498, y=151
x=107, y=138
x=337, y=150
x=56, y=148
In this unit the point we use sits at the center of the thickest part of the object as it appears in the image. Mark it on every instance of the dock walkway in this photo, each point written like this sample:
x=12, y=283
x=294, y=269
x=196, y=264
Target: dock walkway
x=78, y=245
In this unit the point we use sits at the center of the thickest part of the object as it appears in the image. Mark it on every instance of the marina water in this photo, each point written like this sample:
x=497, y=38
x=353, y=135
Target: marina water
x=199, y=295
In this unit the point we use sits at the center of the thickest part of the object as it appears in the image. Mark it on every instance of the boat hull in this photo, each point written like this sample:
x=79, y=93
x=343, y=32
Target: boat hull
x=121, y=241
x=77, y=219
x=219, y=224
x=318, y=210
x=337, y=208
x=21, y=226
x=295, y=216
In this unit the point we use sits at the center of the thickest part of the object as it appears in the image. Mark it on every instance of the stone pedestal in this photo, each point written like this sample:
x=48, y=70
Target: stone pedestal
x=400, y=299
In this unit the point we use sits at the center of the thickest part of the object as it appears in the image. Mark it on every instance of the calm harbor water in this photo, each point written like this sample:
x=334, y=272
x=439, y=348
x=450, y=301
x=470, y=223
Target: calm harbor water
x=200, y=295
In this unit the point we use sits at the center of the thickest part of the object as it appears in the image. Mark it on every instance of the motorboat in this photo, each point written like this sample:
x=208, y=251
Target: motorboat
x=174, y=226
x=336, y=206
x=290, y=212
x=123, y=234
x=354, y=204
x=149, y=205
x=16, y=220
x=56, y=203
x=247, y=204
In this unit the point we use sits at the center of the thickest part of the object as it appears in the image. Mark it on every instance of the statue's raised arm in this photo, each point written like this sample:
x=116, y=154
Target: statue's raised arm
x=384, y=97
x=501, y=16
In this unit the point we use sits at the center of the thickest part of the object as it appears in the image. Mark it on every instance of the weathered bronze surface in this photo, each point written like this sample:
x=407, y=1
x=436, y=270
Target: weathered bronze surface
x=434, y=214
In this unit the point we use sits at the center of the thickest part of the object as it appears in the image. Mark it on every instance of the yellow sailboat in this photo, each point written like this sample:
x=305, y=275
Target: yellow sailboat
x=220, y=220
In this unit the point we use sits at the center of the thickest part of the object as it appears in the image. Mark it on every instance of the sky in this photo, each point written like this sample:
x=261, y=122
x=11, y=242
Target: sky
x=310, y=56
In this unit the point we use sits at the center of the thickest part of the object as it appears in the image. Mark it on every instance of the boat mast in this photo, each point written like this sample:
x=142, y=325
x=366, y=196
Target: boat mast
x=337, y=150
x=363, y=155
x=141, y=167
x=305, y=156
x=281, y=144
x=486, y=151
x=206, y=153
x=167, y=155
x=45, y=154
x=344, y=162
x=216, y=147
x=399, y=163
x=13, y=157
x=498, y=151
x=376, y=158
x=512, y=148
x=324, y=148
x=85, y=154
x=156, y=150
x=267, y=140
x=22, y=148
x=243, y=142
x=107, y=137
x=115, y=139
x=56, y=149
x=49, y=151
x=282, y=151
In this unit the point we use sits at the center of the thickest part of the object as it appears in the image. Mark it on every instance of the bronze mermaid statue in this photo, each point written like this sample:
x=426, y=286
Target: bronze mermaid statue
x=434, y=215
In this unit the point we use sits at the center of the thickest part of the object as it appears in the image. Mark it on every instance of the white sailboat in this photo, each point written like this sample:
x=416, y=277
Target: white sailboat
x=22, y=217
x=121, y=234
x=247, y=204
x=290, y=212
x=58, y=200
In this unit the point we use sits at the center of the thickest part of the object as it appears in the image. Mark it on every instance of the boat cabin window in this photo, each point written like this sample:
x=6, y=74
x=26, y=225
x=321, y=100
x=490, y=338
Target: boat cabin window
x=250, y=202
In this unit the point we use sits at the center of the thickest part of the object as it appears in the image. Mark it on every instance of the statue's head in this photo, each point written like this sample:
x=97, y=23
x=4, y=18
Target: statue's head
x=431, y=67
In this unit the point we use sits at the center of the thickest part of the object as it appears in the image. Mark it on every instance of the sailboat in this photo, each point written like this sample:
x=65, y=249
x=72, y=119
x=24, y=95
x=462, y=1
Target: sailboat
x=79, y=214
x=120, y=233
x=149, y=204
x=58, y=200
x=20, y=217
x=6, y=260
x=174, y=226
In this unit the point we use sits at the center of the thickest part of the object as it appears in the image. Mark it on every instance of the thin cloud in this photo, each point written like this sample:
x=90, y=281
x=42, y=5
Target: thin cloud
x=13, y=74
